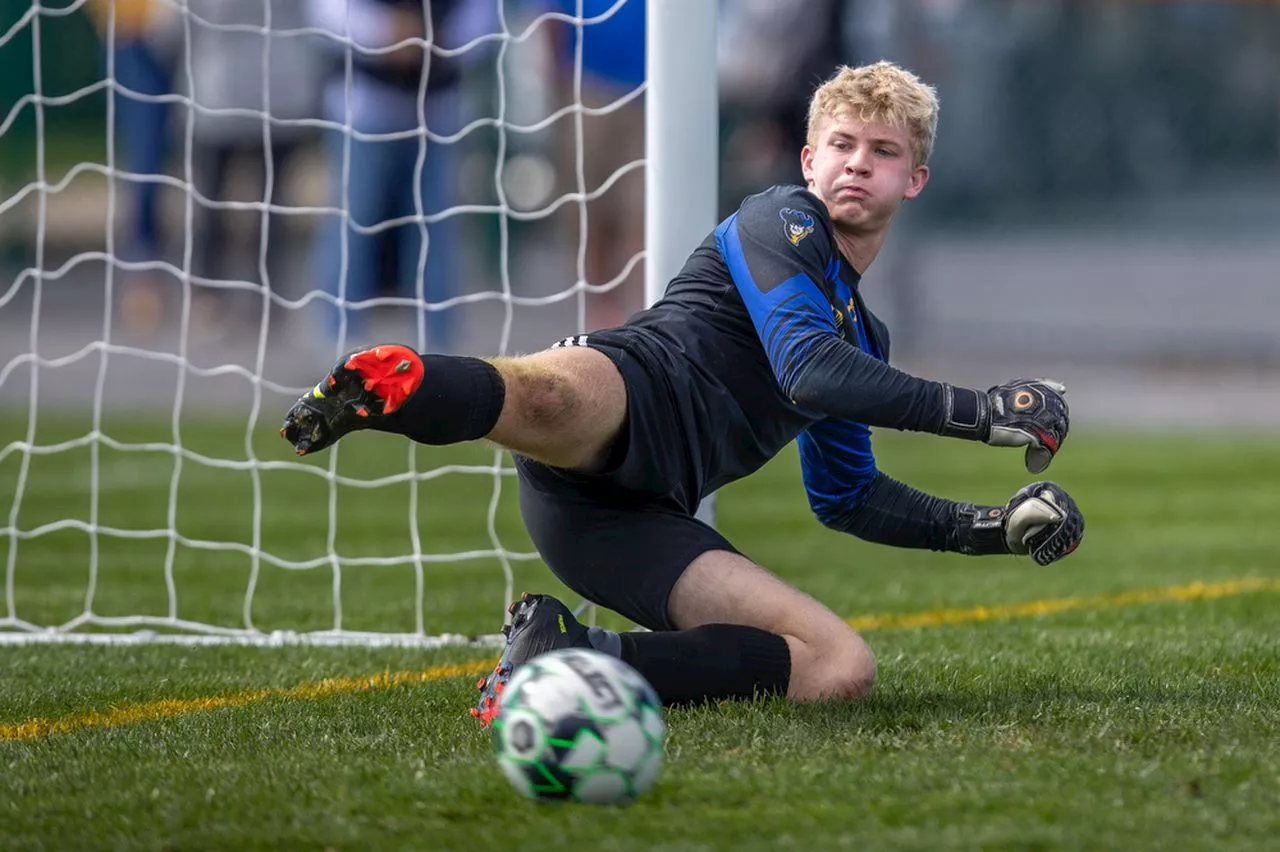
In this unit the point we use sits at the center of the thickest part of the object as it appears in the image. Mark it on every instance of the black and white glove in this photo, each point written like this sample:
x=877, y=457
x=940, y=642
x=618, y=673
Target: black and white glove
x=1029, y=413
x=1043, y=521
x=1040, y=520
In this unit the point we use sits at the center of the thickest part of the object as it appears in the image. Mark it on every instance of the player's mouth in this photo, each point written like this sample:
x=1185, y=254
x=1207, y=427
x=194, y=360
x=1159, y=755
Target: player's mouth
x=855, y=192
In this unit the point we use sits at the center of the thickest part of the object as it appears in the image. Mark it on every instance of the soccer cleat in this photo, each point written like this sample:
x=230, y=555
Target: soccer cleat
x=360, y=388
x=539, y=623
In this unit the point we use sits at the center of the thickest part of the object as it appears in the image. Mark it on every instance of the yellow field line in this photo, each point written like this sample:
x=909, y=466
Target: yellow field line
x=1170, y=594
x=165, y=708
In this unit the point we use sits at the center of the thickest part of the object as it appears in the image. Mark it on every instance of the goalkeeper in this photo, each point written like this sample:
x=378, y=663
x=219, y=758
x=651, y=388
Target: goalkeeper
x=761, y=339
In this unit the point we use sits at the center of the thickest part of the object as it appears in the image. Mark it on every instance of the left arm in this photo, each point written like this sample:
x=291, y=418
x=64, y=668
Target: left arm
x=847, y=493
x=898, y=515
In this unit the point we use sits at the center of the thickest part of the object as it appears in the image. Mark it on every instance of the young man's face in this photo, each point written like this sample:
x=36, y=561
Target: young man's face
x=862, y=171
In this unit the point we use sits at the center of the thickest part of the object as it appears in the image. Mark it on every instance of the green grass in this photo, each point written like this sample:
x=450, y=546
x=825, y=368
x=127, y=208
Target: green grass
x=1143, y=726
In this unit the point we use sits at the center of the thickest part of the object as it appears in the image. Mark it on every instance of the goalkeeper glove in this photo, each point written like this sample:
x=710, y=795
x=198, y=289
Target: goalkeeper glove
x=1040, y=520
x=1029, y=413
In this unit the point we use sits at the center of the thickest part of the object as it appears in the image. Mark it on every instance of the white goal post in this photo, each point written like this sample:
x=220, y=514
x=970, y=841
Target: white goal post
x=63, y=493
x=681, y=143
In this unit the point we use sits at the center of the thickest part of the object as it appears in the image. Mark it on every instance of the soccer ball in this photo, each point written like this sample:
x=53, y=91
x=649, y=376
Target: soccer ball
x=581, y=725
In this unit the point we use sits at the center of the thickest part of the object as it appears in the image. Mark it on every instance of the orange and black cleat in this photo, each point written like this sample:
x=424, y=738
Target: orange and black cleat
x=361, y=388
x=539, y=623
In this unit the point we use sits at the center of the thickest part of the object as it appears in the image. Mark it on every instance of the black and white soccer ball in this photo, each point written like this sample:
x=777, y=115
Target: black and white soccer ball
x=581, y=725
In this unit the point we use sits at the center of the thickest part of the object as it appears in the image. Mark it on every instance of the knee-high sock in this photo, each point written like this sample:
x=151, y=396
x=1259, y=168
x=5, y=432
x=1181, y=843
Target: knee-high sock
x=710, y=662
x=459, y=399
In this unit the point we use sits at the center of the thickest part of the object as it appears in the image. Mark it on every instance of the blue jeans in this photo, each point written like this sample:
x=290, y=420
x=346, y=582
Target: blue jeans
x=381, y=187
x=144, y=134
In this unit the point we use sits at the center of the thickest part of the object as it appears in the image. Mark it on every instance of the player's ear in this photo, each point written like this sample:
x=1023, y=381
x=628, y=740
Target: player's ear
x=919, y=177
x=806, y=163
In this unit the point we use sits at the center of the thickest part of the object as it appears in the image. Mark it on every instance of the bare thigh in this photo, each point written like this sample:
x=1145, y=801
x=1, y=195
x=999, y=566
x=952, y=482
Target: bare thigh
x=564, y=407
x=828, y=658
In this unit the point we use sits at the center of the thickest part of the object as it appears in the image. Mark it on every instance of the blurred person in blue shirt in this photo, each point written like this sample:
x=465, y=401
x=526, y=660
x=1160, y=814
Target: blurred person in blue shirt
x=613, y=66
x=378, y=184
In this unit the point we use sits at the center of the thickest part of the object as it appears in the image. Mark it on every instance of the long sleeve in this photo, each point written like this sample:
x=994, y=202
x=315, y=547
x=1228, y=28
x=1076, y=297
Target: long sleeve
x=892, y=513
x=780, y=253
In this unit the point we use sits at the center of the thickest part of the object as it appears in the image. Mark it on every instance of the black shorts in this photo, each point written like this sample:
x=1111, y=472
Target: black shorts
x=623, y=537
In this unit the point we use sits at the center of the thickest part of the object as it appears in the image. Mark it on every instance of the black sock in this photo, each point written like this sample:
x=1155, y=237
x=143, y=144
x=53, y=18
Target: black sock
x=607, y=641
x=459, y=399
x=710, y=662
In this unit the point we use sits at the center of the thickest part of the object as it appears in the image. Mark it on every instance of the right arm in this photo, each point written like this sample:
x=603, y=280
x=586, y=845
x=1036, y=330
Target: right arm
x=778, y=279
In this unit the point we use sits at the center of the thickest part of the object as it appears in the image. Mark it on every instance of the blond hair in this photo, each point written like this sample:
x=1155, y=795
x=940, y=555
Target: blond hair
x=881, y=92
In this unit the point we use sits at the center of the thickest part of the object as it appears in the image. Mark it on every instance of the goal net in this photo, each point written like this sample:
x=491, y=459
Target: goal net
x=203, y=204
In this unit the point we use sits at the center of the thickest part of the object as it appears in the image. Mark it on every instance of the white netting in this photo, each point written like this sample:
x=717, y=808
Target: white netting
x=67, y=372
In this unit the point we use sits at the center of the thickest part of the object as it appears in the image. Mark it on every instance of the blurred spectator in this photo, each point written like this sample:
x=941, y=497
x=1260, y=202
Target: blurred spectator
x=613, y=65
x=772, y=53
x=373, y=179
x=143, y=38
x=237, y=63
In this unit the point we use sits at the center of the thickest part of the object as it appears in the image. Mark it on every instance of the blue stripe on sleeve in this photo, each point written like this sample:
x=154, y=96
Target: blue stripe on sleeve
x=790, y=318
x=838, y=466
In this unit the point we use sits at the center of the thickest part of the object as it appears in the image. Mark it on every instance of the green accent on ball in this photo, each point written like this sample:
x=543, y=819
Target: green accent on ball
x=556, y=786
x=585, y=769
x=499, y=739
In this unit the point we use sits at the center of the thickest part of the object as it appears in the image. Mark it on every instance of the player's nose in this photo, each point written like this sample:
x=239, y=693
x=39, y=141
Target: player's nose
x=858, y=162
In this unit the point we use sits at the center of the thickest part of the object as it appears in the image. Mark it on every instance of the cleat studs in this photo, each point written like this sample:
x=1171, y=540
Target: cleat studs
x=481, y=682
x=498, y=687
x=475, y=712
x=362, y=410
x=333, y=380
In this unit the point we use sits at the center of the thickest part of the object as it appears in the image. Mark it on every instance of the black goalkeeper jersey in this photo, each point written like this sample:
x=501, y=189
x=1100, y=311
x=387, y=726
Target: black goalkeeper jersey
x=767, y=320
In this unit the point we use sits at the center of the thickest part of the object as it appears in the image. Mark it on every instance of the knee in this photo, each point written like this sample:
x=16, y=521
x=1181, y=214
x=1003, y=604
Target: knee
x=845, y=670
x=853, y=673
x=545, y=398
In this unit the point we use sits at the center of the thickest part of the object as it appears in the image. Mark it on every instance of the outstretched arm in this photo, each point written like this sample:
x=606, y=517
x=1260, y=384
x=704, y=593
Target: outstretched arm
x=847, y=493
x=780, y=258
x=1040, y=519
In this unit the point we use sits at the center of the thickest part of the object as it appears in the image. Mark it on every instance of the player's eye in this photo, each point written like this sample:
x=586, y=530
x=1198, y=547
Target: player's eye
x=886, y=152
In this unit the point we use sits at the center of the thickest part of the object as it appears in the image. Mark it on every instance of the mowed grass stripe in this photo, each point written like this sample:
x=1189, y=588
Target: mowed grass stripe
x=150, y=711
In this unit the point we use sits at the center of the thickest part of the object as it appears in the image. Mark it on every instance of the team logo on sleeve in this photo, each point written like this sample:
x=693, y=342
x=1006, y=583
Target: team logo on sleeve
x=796, y=224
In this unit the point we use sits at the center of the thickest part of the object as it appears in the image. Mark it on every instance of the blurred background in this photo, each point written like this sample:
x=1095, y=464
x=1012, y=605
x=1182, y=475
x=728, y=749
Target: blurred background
x=1104, y=205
